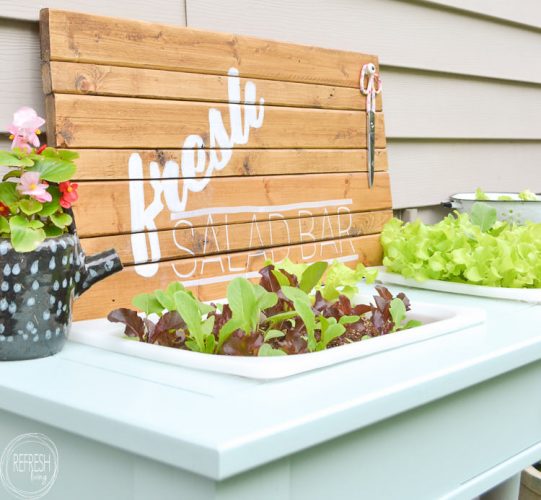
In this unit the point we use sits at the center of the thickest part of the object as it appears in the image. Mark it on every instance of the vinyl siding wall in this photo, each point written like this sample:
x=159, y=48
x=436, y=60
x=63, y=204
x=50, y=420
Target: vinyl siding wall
x=462, y=79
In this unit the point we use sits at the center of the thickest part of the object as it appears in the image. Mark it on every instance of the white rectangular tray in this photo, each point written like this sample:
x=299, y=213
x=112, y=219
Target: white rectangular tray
x=532, y=295
x=439, y=320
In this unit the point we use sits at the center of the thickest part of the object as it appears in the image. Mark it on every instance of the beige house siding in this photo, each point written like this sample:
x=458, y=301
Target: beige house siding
x=462, y=89
x=462, y=79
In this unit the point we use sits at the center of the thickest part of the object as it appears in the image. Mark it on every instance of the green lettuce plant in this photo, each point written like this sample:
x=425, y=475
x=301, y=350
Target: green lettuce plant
x=295, y=308
x=471, y=248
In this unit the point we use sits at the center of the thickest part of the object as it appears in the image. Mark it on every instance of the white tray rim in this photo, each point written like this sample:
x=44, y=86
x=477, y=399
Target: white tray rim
x=109, y=336
x=531, y=295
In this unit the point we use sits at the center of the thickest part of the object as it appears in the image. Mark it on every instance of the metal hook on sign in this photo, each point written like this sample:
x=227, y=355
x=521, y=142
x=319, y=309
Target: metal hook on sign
x=370, y=85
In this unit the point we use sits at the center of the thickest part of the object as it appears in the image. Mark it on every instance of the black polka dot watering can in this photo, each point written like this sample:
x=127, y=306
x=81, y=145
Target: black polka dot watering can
x=37, y=290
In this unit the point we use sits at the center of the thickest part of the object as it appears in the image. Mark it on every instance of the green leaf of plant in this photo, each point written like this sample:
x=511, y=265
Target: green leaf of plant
x=147, y=303
x=61, y=219
x=167, y=300
x=296, y=294
x=243, y=302
x=278, y=318
x=205, y=308
x=480, y=195
x=398, y=312
x=293, y=268
x=210, y=344
x=4, y=225
x=30, y=206
x=226, y=330
x=35, y=224
x=527, y=195
x=412, y=323
x=193, y=346
x=265, y=299
x=15, y=173
x=66, y=154
x=8, y=193
x=273, y=334
x=50, y=207
x=188, y=309
x=483, y=215
x=309, y=320
x=24, y=238
x=312, y=276
x=267, y=350
x=280, y=277
x=346, y=320
x=11, y=160
x=329, y=334
x=53, y=169
x=51, y=231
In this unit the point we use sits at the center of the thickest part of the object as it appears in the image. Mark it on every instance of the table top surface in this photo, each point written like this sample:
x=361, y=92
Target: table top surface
x=219, y=425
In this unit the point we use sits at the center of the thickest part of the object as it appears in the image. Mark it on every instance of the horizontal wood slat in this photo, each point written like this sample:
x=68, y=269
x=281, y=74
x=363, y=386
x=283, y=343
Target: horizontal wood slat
x=204, y=154
x=188, y=241
x=107, y=210
x=112, y=164
x=96, y=79
x=114, y=122
x=118, y=290
x=69, y=36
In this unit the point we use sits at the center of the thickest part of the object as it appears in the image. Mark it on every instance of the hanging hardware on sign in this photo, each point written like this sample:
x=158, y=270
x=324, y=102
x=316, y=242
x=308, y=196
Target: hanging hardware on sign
x=370, y=85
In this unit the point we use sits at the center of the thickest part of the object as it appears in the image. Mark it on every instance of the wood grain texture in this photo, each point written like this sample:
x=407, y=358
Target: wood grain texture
x=118, y=290
x=71, y=36
x=96, y=79
x=212, y=240
x=112, y=164
x=114, y=122
x=407, y=34
x=157, y=11
x=106, y=207
x=291, y=181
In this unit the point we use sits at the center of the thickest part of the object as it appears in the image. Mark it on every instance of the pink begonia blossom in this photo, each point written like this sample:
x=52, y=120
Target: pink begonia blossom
x=25, y=128
x=29, y=184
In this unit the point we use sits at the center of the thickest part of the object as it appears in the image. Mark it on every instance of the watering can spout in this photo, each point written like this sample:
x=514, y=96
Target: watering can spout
x=97, y=267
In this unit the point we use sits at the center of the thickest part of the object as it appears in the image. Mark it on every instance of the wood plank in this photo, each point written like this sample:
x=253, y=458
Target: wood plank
x=96, y=79
x=158, y=11
x=69, y=36
x=211, y=274
x=77, y=121
x=112, y=164
x=105, y=206
x=184, y=242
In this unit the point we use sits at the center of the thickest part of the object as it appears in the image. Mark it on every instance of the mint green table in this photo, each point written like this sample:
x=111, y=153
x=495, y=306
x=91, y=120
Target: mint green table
x=448, y=418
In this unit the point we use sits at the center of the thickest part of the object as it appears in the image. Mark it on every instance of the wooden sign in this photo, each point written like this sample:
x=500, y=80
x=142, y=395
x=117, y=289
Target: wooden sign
x=204, y=154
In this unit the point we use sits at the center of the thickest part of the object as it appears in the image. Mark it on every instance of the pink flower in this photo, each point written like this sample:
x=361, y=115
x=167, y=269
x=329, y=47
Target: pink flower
x=25, y=128
x=29, y=184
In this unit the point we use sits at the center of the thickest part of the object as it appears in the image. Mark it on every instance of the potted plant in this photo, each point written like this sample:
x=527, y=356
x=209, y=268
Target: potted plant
x=294, y=309
x=42, y=265
x=472, y=248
